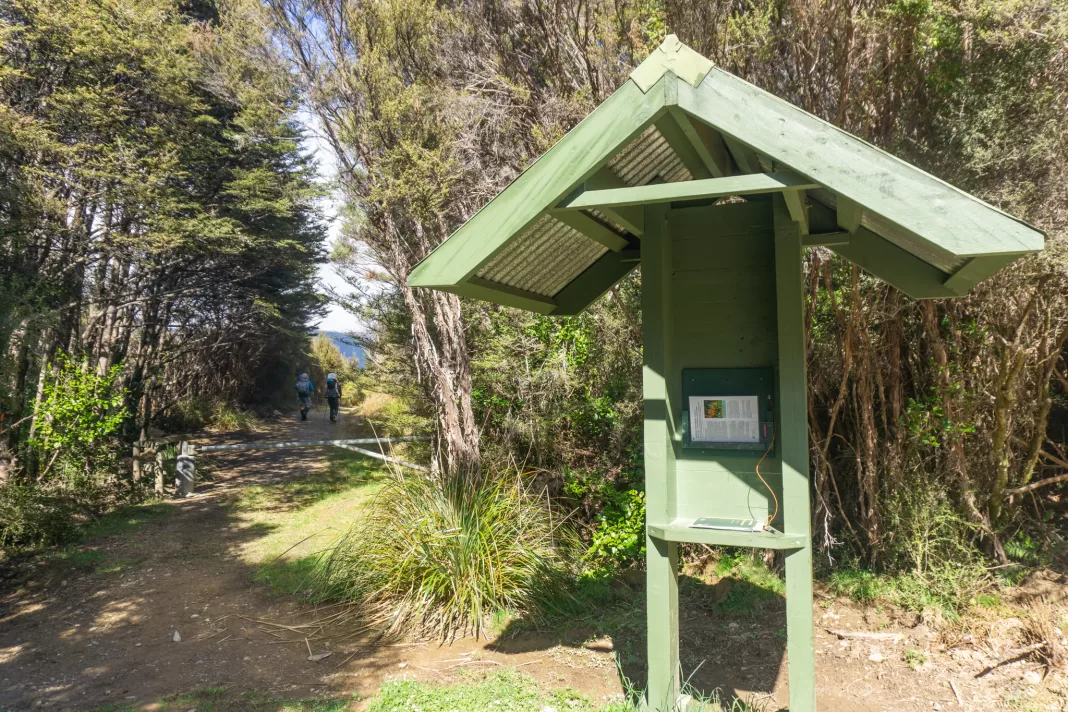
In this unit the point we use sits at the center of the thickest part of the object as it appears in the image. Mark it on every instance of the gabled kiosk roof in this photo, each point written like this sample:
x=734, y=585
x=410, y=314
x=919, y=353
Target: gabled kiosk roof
x=570, y=226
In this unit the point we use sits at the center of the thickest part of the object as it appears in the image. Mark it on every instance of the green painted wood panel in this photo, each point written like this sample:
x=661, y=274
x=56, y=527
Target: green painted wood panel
x=723, y=286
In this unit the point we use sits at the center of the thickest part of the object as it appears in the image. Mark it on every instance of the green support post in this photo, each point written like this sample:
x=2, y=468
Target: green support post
x=793, y=419
x=662, y=560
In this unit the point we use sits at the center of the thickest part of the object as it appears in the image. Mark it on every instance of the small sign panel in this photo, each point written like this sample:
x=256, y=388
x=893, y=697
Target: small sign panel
x=724, y=419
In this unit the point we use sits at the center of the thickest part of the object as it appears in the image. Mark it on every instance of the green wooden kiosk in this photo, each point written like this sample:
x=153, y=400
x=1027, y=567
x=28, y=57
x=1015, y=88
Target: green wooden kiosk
x=716, y=187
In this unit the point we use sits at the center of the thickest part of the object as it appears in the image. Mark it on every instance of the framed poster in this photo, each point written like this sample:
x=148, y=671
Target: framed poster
x=728, y=408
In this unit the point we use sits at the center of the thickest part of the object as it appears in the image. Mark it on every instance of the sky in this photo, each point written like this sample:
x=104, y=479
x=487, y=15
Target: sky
x=337, y=319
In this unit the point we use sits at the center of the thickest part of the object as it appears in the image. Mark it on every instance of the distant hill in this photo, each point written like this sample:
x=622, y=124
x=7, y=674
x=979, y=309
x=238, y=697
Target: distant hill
x=348, y=350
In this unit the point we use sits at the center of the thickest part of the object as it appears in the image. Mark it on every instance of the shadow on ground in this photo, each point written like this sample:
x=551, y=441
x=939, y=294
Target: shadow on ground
x=732, y=634
x=161, y=600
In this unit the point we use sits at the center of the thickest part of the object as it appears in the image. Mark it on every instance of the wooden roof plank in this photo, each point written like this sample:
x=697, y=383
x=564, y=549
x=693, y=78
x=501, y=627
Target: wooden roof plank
x=928, y=208
x=690, y=190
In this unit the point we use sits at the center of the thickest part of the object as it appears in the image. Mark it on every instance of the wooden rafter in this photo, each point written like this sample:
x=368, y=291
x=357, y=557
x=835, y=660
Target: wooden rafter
x=782, y=181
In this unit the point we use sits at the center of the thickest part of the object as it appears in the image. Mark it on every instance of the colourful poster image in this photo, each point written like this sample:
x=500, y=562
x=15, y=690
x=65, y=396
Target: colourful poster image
x=715, y=409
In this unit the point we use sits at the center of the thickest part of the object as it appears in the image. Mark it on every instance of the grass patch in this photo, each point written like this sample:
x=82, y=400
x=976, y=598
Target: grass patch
x=950, y=588
x=914, y=658
x=753, y=587
x=127, y=520
x=503, y=691
x=304, y=517
x=220, y=699
x=512, y=691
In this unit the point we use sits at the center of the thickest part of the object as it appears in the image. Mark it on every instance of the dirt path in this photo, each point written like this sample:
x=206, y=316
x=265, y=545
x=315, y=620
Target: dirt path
x=84, y=638
x=75, y=639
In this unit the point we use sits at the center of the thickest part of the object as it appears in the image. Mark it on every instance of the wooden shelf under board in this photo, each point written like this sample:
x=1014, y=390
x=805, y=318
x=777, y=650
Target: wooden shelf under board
x=681, y=531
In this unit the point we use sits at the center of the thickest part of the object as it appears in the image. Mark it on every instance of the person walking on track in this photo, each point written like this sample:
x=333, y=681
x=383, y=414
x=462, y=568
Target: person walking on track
x=305, y=388
x=333, y=395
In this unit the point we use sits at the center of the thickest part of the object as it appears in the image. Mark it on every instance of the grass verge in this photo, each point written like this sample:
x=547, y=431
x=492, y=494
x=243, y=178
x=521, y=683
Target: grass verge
x=220, y=699
x=303, y=518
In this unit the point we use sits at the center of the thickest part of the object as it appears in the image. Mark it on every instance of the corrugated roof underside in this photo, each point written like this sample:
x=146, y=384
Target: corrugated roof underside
x=544, y=259
x=646, y=158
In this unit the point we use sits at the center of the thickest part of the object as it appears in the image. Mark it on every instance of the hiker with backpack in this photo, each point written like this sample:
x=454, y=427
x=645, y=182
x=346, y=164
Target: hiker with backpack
x=333, y=395
x=305, y=388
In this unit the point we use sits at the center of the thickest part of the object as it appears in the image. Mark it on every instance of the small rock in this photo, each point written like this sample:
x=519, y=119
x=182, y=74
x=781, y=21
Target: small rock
x=402, y=665
x=177, y=638
x=137, y=645
x=1032, y=677
x=195, y=615
x=319, y=656
x=247, y=658
x=876, y=657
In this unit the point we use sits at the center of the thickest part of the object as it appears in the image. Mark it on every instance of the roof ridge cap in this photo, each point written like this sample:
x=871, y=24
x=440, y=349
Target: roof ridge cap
x=674, y=56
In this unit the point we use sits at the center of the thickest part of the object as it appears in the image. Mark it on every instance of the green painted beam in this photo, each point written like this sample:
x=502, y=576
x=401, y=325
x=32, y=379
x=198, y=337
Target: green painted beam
x=488, y=291
x=590, y=228
x=632, y=219
x=792, y=417
x=676, y=138
x=797, y=204
x=690, y=190
x=745, y=157
x=976, y=270
x=825, y=239
x=888, y=262
x=662, y=557
x=706, y=142
x=684, y=533
x=566, y=165
x=595, y=281
x=850, y=214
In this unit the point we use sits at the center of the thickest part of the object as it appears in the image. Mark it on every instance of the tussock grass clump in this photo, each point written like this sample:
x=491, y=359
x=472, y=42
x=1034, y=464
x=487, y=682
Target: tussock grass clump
x=225, y=418
x=442, y=557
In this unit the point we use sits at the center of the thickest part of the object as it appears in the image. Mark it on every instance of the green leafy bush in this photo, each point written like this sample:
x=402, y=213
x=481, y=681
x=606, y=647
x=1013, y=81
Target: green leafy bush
x=34, y=516
x=443, y=557
x=80, y=412
x=619, y=538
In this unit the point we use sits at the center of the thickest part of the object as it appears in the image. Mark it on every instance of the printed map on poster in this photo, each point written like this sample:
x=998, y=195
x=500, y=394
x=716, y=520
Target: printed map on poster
x=724, y=419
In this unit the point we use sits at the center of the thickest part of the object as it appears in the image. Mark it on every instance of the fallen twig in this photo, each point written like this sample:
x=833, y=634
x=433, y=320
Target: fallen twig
x=956, y=692
x=1013, y=656
x=473, y=662
x=862, y=635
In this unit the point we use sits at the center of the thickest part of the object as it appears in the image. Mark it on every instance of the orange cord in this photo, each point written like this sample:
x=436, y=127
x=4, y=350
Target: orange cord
x=776, y=499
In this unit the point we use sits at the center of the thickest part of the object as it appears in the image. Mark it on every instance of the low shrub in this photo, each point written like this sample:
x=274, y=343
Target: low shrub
x=33, y=516
x=443, y=557
x=225, y=418
x=389, y=415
